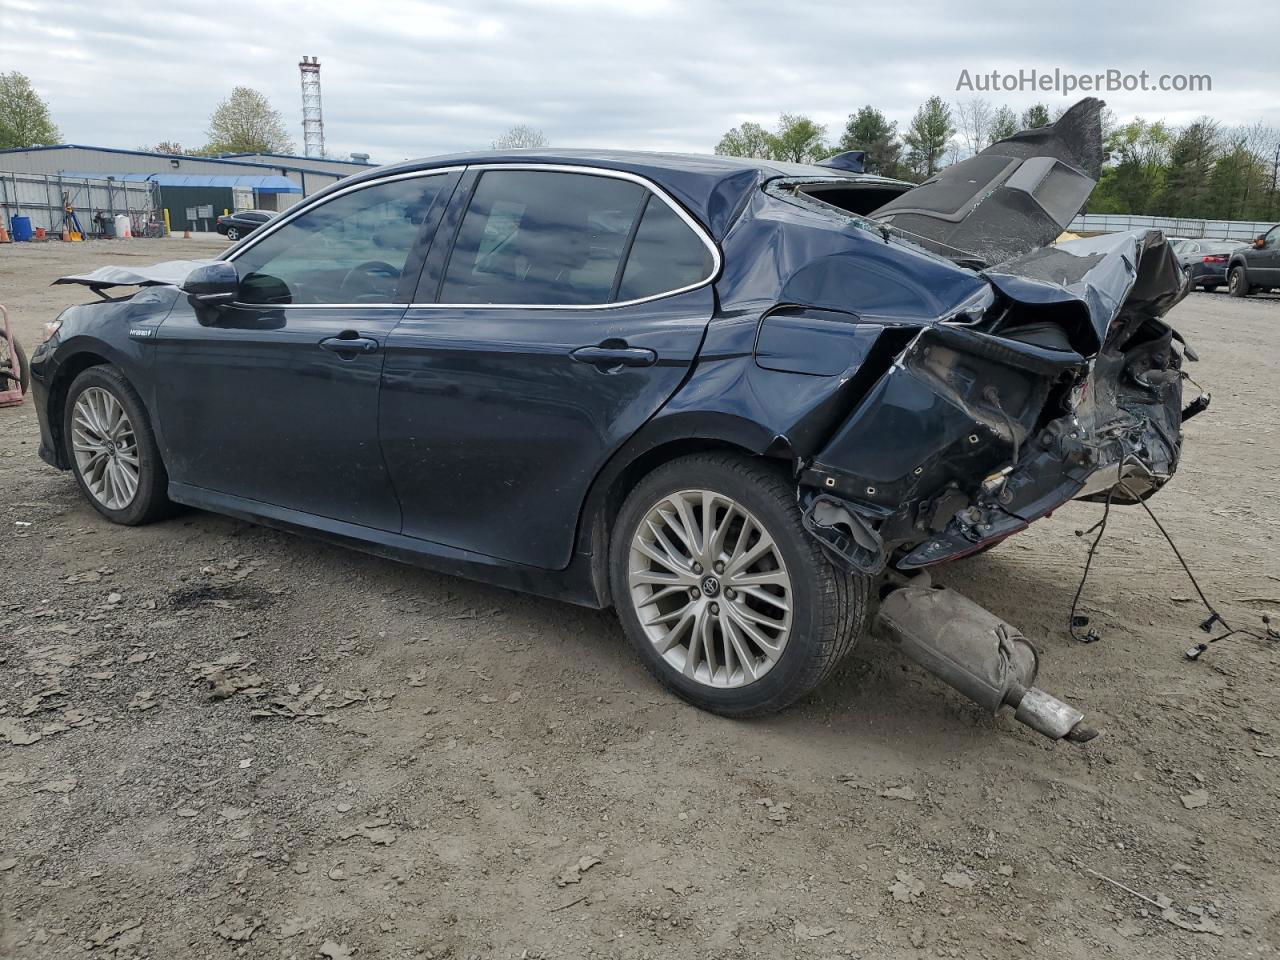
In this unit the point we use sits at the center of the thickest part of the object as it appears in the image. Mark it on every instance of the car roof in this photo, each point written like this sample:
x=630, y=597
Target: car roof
x=711, y=187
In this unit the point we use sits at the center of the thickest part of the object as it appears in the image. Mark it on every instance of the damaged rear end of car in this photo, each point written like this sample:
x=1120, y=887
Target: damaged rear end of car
x=946, y=376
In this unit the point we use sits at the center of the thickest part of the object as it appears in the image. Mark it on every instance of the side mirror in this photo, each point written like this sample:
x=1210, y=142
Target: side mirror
x=213, y=283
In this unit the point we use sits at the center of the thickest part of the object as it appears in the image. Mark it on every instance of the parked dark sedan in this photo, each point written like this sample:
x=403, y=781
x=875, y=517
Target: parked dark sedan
x=740, y=401
x=1204, y=262
x=233, y=226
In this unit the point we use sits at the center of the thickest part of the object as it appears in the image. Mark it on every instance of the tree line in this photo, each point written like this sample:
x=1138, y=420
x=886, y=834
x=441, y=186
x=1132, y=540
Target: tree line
x=1205, y=169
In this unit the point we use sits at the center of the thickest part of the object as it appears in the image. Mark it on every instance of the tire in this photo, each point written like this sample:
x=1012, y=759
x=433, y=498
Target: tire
x=827, y=608
x=1237, y=282
x=149, y=499
x=233, y=234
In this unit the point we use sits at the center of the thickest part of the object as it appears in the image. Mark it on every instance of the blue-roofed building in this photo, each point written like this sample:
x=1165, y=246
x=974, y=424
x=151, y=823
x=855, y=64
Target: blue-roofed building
x=231, y=182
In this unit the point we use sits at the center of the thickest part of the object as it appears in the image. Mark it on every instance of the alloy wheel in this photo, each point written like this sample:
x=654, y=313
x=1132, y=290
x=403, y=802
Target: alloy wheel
x=105, y=448
x=710, y=588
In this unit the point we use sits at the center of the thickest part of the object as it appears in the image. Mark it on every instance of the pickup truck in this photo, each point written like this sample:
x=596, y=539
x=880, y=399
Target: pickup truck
x=1256, y=267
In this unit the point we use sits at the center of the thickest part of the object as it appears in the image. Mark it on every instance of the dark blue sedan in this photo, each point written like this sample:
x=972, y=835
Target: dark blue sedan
x=737, y=400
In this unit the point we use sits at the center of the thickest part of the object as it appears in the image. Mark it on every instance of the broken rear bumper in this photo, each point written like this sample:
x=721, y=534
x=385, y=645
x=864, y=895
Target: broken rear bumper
x=977, y=430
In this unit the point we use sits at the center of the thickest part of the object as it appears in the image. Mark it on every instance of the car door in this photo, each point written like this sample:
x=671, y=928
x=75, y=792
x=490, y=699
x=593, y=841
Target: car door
x=565, y=313
x=274, y=398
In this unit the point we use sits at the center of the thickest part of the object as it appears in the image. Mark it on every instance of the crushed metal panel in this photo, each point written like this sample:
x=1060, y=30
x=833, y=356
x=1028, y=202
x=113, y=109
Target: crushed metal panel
x=168, y=273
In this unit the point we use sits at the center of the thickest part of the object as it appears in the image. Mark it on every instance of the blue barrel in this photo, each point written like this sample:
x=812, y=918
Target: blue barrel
x=20, y=227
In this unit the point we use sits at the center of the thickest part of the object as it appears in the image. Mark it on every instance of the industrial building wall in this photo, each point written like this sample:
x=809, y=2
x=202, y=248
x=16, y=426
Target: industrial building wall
x=106, y=161
x=178, y=200
x=40, y=197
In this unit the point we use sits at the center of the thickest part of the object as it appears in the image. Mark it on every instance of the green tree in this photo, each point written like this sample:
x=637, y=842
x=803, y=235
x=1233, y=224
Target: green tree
x=750, y=140
x=246, y=123
x=927, y=137
x=798, y=139
x=1004, y=124
x=1036, y=115
x=24, y=116
x=1135, y=180
x=1192, y=156
x=869, y=131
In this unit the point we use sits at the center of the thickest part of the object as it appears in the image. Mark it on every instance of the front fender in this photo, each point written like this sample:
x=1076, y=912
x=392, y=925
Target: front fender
x=119, y=332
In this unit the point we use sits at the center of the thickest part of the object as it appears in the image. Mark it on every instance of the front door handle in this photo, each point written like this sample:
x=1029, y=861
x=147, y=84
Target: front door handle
x=607, y=357
x=352, y=345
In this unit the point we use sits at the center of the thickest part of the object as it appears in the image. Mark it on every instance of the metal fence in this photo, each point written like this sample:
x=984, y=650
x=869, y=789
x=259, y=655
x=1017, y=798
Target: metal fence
x=44, y=198
x=1243, y=230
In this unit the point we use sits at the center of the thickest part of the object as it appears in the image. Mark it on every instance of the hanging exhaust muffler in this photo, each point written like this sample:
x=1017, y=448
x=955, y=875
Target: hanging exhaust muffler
x=979, y=654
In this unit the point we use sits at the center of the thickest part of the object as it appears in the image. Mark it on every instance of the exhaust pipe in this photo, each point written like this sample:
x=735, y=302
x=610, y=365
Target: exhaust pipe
x=979, y=654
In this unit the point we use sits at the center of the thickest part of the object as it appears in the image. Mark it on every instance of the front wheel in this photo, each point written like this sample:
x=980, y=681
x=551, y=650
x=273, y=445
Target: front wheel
x=1237, y=282
x=233, y=233
x=112, y=448
x=727, y=599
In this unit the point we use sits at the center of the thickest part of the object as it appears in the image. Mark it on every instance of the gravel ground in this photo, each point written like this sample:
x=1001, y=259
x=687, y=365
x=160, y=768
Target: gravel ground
x=217, y=740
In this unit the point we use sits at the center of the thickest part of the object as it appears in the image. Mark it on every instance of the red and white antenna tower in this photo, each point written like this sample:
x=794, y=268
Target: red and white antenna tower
x=312, y=118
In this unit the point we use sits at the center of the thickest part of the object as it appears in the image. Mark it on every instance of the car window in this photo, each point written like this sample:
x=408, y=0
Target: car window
x=666, y=255
x=541, y=238
x=1191, y=247
x=1273, y=239
x=260, y=217
x=350, y=249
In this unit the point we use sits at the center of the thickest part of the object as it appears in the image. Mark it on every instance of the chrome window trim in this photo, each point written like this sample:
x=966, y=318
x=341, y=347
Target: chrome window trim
x=273, y=225
x=653, y=188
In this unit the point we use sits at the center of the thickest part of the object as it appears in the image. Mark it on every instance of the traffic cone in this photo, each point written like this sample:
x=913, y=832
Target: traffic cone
x=4, y=234
x=186, y=234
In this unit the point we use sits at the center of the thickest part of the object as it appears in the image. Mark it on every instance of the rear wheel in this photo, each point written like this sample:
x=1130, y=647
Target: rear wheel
x=727, y=599
x=112, y=448
x=233, y=233
x=1237, y=282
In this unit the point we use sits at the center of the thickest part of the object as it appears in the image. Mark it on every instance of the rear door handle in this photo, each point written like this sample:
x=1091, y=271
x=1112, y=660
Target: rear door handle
x=615, y=356
x=349, y=344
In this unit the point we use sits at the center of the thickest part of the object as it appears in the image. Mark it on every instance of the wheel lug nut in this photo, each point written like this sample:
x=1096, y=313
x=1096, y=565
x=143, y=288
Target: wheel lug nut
x=697, y=567
x=729, y=593
x=718, y=567
x=715, y=608
x=694, y=593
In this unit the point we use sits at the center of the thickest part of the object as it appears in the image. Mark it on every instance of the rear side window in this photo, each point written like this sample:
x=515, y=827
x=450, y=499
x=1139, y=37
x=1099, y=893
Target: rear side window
x=541, y=238
x=666, y=255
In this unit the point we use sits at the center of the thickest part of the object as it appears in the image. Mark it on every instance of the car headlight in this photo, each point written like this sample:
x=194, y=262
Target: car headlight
x=51, y=329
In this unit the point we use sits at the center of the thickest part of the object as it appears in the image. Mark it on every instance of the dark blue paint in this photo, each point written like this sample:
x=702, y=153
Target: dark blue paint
x=472, y=440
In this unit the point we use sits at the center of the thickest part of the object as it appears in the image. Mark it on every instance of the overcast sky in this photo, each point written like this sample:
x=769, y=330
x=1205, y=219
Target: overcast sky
x=406, y=79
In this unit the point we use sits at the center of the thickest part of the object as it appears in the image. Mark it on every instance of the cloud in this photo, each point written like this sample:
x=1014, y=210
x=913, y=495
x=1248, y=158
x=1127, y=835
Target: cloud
x=405, y=79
